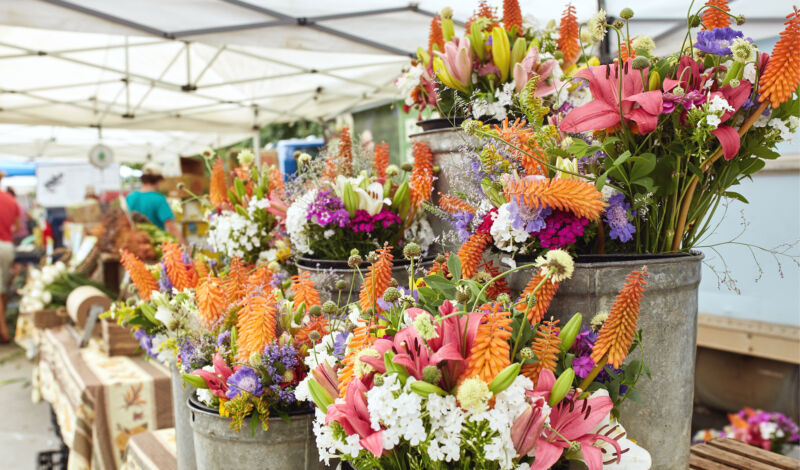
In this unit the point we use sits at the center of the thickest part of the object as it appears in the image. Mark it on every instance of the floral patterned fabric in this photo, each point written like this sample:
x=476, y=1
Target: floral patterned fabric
x=100, y=401
x=153, y=450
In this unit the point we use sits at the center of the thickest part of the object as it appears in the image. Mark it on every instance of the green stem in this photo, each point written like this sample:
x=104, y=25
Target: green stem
x=528, y=309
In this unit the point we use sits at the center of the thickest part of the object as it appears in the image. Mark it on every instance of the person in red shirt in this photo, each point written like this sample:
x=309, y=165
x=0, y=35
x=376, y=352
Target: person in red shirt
x=9, y=224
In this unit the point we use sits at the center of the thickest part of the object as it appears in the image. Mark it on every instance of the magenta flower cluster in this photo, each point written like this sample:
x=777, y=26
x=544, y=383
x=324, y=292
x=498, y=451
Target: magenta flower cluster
x=364, y=222
x=562, y=229
x=328, y=209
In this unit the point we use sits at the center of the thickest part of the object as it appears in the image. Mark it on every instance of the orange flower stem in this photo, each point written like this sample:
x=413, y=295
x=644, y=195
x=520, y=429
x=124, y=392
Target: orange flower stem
x=529, y=307
x=687, y=200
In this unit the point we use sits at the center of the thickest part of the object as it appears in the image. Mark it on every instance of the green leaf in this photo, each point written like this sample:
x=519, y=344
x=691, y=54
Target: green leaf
x=578, y=148
x=694, y=169
x=737, y=196
x=601, y=181
x=643, y=165
x=752, y=166
x=194, y=380
x=454, y=266
x=622, y=158
x=427, y=292
x=441, y=284
x=634, y=395
x=766, y=153
x=645, y=182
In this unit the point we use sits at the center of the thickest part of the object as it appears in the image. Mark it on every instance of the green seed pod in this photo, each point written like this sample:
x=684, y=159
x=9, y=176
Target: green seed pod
x=431, y=374
x=424, y=389
x=505, y=378
x=561, y=387
x=626, y=13
x=570, y=332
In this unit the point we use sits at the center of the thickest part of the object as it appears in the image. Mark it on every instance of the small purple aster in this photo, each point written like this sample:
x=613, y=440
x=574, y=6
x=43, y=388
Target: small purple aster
x=618, y=218
x=224, y=339
x=164, y=284
x=145, y=342
x=524, y=217
x=461, y=222
x=244, y=380
x=718, y=40
x=340, y=344
x=582, y=365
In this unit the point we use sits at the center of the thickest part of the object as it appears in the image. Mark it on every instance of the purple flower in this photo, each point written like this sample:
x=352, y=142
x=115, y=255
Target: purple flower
x=244, y=380
x=277, y=360
x=224, y=339
x=584, y=342
x=145, y=342
x=340, y=344
x=718, y=40
x=328, y=210
x=562, y=229
x=461, y=222
x=617, y=218
x=363, y=222
x=164, y=284
x=582, y=365
x=527, y=218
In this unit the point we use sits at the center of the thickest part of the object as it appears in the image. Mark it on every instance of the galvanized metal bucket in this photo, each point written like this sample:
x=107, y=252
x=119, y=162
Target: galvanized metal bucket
x=184, y=440
x=326, y=274
x=286, y=445
x=668, y=318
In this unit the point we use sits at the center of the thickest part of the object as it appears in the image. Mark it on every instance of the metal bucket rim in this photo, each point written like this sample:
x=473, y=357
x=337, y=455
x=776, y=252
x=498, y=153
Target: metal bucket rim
x=312, y=263
x=197, y=407
x=632, y=259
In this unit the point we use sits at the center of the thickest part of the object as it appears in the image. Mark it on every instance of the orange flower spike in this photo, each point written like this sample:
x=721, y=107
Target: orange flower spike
x=544, y=296
x=142, y=278
x=471, y=253
x=546, y=346
x=381, y=159
x=275, y=180
x=211, y=303
x=177, y=272
x=346, y=151
x=435, y=36
x=782, y=75
x=421, y=179
x=318, y=324
x=512, y=16
x=376, y=280
x=304, y=290
x=440, y=268
x=256, y=324
x=489, y=354
x=362, y=339
x=218, y=189
x=568, y=36
x=452, y=204
x=713, y=18
x=572, y=195
x=499, y=286
x=616, y=335
x=235, y=282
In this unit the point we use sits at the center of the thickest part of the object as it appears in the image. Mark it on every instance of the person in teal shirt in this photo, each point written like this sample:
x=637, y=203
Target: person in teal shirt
x=152, y=204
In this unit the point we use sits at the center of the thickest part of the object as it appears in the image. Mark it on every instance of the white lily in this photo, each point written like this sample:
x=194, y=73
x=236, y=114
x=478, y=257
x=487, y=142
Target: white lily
x=634, y=456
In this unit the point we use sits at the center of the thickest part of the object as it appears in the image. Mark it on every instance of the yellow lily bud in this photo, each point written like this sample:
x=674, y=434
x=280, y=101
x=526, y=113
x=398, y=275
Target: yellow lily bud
x=423, y=56
x=448, y=31
x=501, y=52
x=442, y=74
x=518, y=51
x=477, y=40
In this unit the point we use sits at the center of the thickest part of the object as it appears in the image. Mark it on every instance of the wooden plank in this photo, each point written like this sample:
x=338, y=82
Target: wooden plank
x=754, y=338
x=755, y=453
x=732, y=460
x=699, y=463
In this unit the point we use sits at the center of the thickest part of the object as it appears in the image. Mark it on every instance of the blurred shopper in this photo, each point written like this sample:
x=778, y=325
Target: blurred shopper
x=9, y=224
x=152, y=204
x=23, y=231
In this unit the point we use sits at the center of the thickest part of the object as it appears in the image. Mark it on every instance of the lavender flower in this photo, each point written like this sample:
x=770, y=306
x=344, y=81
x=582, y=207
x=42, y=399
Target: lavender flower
x=718, y=40
x=224, y=339
x=617, y=218
x=277, y=360
x=164, y=284
x=582, y=365
x=244, y=380
x=328, y=210
x=461, y=222
x=145, y=342
x=340, y=344
x=527, y=218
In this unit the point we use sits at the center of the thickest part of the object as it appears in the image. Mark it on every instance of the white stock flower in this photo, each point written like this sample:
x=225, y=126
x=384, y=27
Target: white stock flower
x=506, y=237
x=296, y=219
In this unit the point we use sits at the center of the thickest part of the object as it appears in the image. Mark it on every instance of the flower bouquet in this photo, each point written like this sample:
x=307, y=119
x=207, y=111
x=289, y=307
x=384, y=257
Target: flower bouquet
x=247, y=218
x=769, y=430
x=357, y=201
x=480, y=74
x=449, y=377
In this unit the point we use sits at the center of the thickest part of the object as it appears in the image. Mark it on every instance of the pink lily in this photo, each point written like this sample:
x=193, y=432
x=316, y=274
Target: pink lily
x=528, y=427
x=277, y=207
x=325, y=375
x=353, y=415
x=458, y=60
x=573, y=420
x=530, y=66
x=218, y=381
x=728, y=136
x=603, y=112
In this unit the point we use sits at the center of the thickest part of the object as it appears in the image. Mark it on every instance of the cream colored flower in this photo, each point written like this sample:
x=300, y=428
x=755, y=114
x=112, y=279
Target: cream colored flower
x=425, y=327
x=473, y=395
x=643, y=42
x=566, y=165
x=246, y=158
x=559, y=262
x=360, y=369
x=597, y=26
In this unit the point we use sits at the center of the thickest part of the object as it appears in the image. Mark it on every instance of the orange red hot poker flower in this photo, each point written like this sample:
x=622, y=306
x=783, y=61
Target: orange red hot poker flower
x=782, y=75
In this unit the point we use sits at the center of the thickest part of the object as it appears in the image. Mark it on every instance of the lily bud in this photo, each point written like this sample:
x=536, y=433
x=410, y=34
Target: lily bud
x=561, y=387
x=501, y=52
x=518, y=51
x=655, y=81
x=570, y=331
x=350, y=198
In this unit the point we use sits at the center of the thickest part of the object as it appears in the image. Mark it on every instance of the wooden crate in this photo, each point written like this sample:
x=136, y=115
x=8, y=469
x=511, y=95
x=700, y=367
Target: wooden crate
x=118, y=340
x=49, y=318
x=730, y=454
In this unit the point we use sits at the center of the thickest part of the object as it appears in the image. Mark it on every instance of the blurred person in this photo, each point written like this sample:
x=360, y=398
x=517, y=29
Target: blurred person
x=23, y=231
x=152, y=204
x=9, y=224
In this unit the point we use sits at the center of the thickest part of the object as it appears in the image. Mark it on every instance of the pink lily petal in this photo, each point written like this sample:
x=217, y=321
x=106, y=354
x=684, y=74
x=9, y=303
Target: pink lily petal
x=590, y=439
x=520, y=77
x=547, y=453
x=527, y=428
x=669, y=84
x=735, y=97
x=596, y=114
x=373, y=443
x=574, y=424
x=220, y=367
x=593, y=457
x=645, y=121
x=448, y=352
x=729, y=139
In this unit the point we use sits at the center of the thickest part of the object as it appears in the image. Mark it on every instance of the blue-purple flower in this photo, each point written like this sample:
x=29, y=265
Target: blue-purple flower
x=529, y=219
x=145, y=342
x=164, y=284
x=461, y=222
x=340, y=344
x=617, y=218
x=328, y=209
x=718, y=40
x=244, y=380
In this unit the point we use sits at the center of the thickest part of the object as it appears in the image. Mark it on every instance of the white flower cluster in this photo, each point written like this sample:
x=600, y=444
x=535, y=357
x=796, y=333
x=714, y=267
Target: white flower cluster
x=409, y=80
x=506, y=237
x=235, y=235
x=716, y=107
x=296, y=220
x=786, y=128
x=35, y=295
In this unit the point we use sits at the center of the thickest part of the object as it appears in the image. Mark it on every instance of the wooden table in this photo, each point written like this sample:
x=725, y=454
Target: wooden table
x=729, y=454
x=100, y=401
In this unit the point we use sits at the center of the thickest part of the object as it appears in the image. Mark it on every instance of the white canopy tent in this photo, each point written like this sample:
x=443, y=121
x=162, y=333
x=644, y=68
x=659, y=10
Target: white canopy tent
x=231, y=66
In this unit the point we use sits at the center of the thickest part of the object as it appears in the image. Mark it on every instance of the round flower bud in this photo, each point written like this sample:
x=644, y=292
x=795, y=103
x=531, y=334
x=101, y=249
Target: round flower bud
x=558, y=55
x=407, y=166
x=208, y=153
x=393, y=283
x=354, y=260
x=354, y=251
x=288, y=376
x=734, y=83
x=678, y=91
x=254, y=359
x=315, y=311
x=694, y=21
x=530, y=300
x=412, y=250
x=470, y=126
x=391, y=294
x=377, y=380
x=598, y=321
x=304, y=159
x=286, y=283
x=431, y=374
x=341, y=284
x=618, y=24
x=290, y=297
x=440, y=258
x=462, y=294
x=446, y=12
x=740, y=20
x=483, y=277
x=626, y=13
x=314, y=336
x=330, y=307
x=640, y=63
x=504, y=298
x=180, y=186
x=372, y=257
x=274, y=266
x=526, y=353
x=367, y=314
x=437, y=169
x=392, y=170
